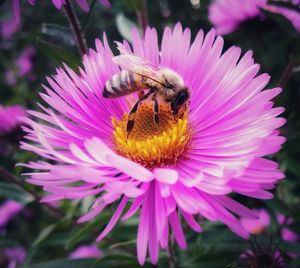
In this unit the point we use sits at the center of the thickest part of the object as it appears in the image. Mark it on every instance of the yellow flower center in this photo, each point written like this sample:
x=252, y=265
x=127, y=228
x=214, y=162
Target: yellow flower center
x=149, y=144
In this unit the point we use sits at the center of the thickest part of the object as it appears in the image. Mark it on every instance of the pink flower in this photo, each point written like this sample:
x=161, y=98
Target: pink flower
x=105, y=3
x=227, y=15
x=10, y=118
x=23, y=67
x=257, y=226
x=24, y=62
x=286, y=233
x=8, y=210
x=184, y=167
x=10, y=77
x=289, y=235
x=292, y=15
x=15, y=255
x=9, y=27
x=83, y=4
x=87, y=251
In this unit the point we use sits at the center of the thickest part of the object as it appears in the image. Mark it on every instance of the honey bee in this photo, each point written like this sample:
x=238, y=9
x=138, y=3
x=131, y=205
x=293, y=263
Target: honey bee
x=139, y=75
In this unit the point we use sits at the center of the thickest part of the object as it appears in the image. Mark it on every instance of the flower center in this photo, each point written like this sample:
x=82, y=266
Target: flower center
x=149, y=144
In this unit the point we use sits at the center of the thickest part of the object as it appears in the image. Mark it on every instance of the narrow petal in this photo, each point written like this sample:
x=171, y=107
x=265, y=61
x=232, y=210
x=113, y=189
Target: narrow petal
x=129, y=167
x=177, y=230
x=113, y=219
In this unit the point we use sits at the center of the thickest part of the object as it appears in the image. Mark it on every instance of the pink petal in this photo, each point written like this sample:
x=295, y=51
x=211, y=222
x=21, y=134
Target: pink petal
x=166, y=175
x=129, y=167
x=84, y=5
x=177, y=230
x=113, y=219
x=58, y=3
x=16, y=10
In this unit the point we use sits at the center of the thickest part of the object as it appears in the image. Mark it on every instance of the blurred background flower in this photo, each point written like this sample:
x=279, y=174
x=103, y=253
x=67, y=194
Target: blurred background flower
x=13, y=256
x=10, y=117
x=227, y=15
x=8, y=210
x=259, y=225
x=86, y=251
x=22, y=67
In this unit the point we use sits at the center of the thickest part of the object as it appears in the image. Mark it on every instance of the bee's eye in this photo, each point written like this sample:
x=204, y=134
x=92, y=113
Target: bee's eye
x=169, y=85
x=181, y=98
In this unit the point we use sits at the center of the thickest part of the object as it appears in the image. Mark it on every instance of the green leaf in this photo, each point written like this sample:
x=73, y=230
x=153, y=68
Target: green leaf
x=44, y=234
x=65, y=263
x=85, y=231
x=295, y=263
x=213, y=259
x=288, y=5
x=276, y=205
x=119, y=261
x=290, y=246
x=133, y=5
x=124, y=26
x=11, y=191
x=282, y=22
x=122, y=244
x=59, y=55
x=57, y=35
x=29, y=256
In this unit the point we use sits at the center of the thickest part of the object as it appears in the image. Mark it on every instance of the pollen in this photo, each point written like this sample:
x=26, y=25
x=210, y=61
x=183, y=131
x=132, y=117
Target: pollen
x=149, y=144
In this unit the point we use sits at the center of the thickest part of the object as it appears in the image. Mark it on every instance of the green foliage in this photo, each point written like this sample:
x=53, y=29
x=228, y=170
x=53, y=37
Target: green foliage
x=124, y=26
x=11, y=191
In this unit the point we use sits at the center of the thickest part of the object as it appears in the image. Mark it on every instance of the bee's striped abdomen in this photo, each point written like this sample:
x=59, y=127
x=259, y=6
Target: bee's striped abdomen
x=122, y=84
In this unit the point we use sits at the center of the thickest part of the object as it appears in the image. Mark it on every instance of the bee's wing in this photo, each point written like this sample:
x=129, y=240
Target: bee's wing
x=137, y=65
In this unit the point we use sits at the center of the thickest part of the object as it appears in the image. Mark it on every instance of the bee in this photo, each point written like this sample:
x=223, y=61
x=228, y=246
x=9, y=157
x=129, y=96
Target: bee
x=139, y=75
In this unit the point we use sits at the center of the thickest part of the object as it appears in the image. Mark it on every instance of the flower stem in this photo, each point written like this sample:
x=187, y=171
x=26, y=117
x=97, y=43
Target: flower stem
x=75, y=26
x=11, y=178
x=142, y=15
x=171, y=250
x=286, y=73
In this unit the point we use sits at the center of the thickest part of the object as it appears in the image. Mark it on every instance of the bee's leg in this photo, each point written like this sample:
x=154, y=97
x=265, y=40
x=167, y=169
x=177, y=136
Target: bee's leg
x=131, y=116
x=155, y=109
x=175, y=116
x=183, y=112
x=141, y=93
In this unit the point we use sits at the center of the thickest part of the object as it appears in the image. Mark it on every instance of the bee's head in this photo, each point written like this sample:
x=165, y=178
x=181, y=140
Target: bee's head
x=171, y=79
x=180, y=100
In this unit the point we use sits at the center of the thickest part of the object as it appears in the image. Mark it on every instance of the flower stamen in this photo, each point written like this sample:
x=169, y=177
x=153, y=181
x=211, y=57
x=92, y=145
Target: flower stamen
x=150, y=144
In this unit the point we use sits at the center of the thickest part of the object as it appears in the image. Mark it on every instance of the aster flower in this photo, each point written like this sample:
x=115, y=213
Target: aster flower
x=86, y=251
x=8, y=210
x=227, y=15
x=10, y=118
x=292, y=15
x=184, y=167
x=257, y=226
